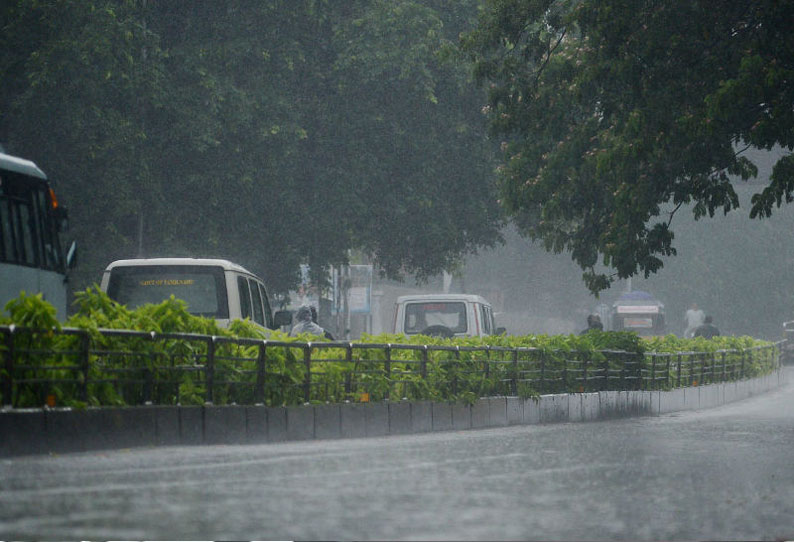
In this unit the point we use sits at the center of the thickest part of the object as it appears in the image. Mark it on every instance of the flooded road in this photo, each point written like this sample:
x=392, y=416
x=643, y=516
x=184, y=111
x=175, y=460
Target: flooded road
x=724, y=473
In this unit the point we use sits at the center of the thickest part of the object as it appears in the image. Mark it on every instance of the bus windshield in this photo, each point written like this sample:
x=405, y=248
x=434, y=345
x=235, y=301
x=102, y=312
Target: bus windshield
x=201, y=287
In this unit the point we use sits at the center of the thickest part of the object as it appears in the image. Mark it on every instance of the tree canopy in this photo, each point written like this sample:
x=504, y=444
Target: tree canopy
x=614, y=114
x=272, y=133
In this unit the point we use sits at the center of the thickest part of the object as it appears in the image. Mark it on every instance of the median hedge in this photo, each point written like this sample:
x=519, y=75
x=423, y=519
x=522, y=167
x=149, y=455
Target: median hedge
x=134, y=370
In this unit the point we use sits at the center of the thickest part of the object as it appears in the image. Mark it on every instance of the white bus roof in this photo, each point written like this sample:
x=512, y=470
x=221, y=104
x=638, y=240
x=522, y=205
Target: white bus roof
x=441, y=297
x=225, y=264
x=20, y=165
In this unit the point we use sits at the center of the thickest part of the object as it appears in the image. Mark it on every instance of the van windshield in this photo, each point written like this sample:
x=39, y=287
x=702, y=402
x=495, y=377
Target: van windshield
x=419, y=316
x=201, y=287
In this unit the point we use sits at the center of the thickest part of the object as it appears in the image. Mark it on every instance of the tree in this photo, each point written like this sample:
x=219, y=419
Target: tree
x=615, y=114
x=272, y=133
x=417, y=150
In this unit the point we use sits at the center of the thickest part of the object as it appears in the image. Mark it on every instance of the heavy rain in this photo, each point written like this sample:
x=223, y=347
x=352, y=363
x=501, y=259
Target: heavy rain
x=492, y=201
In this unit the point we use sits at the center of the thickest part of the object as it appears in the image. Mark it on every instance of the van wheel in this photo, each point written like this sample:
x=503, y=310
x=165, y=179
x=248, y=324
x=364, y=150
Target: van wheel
x=438, y=331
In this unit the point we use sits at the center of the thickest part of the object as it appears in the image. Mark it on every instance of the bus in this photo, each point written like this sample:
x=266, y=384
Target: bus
x=32, y=258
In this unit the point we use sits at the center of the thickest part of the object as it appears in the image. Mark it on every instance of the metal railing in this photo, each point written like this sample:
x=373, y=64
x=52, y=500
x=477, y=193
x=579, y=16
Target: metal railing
x=121, y=367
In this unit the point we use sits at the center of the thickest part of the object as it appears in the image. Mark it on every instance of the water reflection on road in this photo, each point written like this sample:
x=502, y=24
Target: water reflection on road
x=720, y=474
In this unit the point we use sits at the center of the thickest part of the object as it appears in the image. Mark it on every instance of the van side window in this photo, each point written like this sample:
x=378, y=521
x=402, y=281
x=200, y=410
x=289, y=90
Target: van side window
x=245, y=297
x=257, y=298
x=486, y=319
x=268, y=310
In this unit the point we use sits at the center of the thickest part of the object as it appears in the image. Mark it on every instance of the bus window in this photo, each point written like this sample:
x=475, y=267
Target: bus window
x=28, y=235
x=51, y=255
x=6, y=237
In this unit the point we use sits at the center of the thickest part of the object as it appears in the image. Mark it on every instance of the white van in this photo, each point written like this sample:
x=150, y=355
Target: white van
x=216, y=289
x=444, y=315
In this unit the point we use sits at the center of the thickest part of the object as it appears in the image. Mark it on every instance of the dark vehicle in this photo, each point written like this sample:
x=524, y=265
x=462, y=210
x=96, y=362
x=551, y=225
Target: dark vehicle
x=637, y=311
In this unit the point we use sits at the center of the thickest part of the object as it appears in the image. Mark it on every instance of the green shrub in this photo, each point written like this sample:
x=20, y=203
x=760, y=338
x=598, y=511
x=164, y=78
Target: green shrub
x=126, y=369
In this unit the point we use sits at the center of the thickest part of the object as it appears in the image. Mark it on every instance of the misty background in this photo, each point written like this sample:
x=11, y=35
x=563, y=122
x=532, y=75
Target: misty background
x=736, y=269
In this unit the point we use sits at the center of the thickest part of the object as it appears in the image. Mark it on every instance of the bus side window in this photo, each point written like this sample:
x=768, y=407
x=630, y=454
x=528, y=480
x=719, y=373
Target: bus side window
x=50, y=252
x=27, y=235
x=6, y=233
x=257, y=299
x=245, y=297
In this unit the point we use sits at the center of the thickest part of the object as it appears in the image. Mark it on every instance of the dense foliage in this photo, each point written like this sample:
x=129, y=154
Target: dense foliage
x=246, y=364
x=616, y=114
x=271, y=133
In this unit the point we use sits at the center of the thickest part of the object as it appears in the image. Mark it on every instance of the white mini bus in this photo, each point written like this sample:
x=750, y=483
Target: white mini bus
x=213, y=288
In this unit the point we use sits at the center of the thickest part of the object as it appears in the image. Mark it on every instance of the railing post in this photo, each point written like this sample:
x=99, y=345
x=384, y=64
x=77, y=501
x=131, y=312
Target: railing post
x=209, y=373
x=605, y=380
x=584, y=374
x=351, y=368
x=565, y=374
x=702, y=368
x=678, y=376
x=667, y=373
x=148, y=372
x=455, y=372
x=85, y=361
x=741, y=369
x=514, y=380
x=259, y=394
x=724, y=368
x=423, y=363
x=387, y=370
x=307, y=377
x=653, y=372
x=148, y=386
x=8, y=381
x=542, y=372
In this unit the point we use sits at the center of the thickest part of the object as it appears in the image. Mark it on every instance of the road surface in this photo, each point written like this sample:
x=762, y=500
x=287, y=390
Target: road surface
x=725, y=473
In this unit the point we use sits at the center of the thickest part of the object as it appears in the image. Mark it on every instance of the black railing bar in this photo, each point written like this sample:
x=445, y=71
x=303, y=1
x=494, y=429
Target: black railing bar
x=122, y=369
x=48, y=381
x=117, y=353
x=14, y=329
x=18, y=368
x=235, y=359
x=19, y=352
x=115, y=381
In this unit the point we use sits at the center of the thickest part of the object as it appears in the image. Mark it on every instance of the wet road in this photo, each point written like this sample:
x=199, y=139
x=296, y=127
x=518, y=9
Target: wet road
x=726, y=473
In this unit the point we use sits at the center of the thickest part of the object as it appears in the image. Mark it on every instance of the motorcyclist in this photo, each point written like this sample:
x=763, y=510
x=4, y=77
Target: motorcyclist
x=593, y=323
x=305, y=324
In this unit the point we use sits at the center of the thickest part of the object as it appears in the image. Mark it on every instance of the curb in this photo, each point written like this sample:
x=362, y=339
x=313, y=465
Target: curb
x=43, y=431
